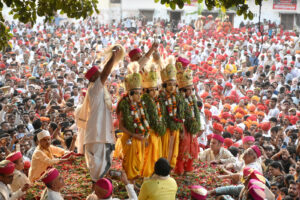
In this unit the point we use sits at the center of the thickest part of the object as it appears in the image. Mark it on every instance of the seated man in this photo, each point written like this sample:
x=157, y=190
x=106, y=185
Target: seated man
x=7, y=169
x=104, y=189
x=43, y=156
x=216, y=153
x=54, y=183
x=20, y=179
x=160, y=185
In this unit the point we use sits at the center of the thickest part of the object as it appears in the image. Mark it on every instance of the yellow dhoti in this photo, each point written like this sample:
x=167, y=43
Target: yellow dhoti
x=152, y=153
x=118, y=153
x=166, y=146
x=133, y=156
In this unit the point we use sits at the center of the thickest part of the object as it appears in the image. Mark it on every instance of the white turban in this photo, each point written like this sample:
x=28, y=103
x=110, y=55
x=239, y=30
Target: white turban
x=42, y=135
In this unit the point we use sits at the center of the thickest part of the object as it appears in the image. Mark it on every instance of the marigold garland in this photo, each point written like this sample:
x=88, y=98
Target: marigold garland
x=154, y=110
x=131, y=119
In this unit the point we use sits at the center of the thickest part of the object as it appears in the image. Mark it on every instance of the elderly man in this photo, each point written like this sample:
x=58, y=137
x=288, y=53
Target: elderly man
x=216, y=153
x=6, y=178
x=43, y=156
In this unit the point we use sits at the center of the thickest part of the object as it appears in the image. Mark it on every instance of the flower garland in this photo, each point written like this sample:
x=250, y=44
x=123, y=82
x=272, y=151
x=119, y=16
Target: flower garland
x=155, y=113
x=140, y=122
x=135, y=118
x=191, y=115
x=174, y=110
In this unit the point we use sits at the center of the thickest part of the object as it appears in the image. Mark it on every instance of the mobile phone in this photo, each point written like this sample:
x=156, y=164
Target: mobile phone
x=115, y=174
x=65, y=124
x=55, y=107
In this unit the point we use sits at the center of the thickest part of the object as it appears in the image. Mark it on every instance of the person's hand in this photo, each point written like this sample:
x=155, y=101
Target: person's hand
x=211, y=193
x=115, y=52
x=229, y=166
x=124, y=178
x=215, y=162
x=138, y=136
x=155, y=45
x=25, y=187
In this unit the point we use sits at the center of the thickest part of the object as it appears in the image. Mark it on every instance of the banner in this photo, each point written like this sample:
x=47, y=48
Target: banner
x=284, y=4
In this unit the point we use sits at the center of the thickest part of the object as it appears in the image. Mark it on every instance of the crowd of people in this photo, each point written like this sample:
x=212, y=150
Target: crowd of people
x=156, y=98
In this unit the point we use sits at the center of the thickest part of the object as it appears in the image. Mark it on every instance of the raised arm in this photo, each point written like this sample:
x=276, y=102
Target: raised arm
x=109, y=65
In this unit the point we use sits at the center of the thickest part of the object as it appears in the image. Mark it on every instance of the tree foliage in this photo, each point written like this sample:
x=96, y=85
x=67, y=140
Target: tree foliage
x=240, y=6
x=27, y=11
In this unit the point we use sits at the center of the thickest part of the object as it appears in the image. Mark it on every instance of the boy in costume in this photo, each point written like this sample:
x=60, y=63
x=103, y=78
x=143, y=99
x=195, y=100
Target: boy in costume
x=157, y=124
x=173, y=106
x=133, y=122
x=188, y=146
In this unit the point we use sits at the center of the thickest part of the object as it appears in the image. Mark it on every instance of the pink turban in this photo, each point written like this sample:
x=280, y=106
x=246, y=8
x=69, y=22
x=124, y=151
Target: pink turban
x=248, y=138
x=105, y=184
x=257, y=150
x=183, y=61
x=218, y=137
x=198, y=192
x=14, y=156
x=50, y=175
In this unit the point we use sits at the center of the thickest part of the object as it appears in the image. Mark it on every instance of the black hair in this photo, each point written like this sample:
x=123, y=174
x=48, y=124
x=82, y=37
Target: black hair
x=288, y=179
x=53, y=126
x=226, y=135
x=68, y=141
x=276, y=165
x=164, y=85
x=131, y=93
x=273, y=119
x=274, y=129
x=162, y=167
x=234, y=151
x=37, y=124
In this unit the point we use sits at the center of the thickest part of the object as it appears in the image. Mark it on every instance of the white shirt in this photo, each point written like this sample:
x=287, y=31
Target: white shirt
x=99, y=127
x=49, y=194
x=6, y=194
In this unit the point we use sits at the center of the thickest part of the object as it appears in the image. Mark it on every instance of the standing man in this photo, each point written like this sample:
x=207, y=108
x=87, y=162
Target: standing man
x=99, y=137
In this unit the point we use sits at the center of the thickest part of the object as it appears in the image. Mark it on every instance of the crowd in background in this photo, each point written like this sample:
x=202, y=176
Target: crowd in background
x=247, y=83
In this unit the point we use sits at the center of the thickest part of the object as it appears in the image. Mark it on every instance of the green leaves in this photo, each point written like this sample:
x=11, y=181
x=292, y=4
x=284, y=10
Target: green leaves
x=27, y=11
x=241, y=7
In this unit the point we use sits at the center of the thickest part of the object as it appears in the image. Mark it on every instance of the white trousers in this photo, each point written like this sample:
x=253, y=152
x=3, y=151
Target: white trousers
x=98, y=158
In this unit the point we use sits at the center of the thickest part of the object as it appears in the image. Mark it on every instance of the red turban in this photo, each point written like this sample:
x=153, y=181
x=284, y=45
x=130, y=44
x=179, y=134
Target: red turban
x=91, y=72
x=218, y=127
x=134, y=52
x=183, y=61
x=6, y=167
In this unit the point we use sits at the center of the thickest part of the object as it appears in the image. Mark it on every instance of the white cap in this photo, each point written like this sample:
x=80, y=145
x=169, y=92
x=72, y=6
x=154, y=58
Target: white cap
x=42, y=135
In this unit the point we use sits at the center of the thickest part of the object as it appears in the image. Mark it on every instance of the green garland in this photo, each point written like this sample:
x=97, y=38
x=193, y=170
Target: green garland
x=124, y=107
x=158, y=126
x=170, y=122
x=192, y=124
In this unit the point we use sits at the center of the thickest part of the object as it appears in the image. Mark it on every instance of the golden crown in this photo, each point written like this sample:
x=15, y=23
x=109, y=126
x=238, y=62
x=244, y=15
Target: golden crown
x=185, y=78
x=169, y=72
x=150, y=78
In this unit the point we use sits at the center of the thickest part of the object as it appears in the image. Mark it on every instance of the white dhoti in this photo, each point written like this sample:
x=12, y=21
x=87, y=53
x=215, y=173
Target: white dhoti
x=80, y=140
x=98, y=157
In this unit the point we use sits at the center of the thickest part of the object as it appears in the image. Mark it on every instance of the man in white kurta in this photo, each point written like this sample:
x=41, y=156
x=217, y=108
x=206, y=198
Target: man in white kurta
x=99, y=137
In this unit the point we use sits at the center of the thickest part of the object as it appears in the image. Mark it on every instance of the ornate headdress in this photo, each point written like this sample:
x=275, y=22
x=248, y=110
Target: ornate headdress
x=169, y=72
x=134, y=79
x=150, y=77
